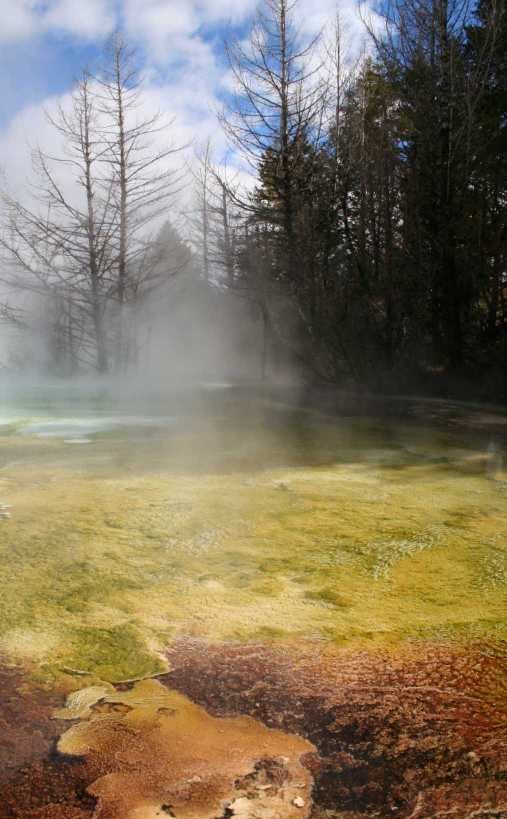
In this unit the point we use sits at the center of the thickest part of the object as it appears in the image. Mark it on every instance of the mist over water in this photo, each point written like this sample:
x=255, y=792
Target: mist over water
x=253, y=450
x=149, y=528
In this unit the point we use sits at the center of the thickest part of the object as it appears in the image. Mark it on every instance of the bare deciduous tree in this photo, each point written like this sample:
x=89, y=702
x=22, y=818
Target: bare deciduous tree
x=85, y=239
x=142, y=176
x=58, y=246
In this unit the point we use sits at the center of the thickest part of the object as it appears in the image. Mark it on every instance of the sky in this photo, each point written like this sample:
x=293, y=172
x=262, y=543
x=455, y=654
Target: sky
x=45, y=43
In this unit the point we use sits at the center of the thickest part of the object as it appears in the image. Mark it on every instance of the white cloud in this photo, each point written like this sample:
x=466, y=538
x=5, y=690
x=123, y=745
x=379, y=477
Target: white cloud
x=88, y=18
x=157, y=22
x=22, y=19
x=17, y=19
x=187, y=115
x=28, y=130
x=185, y=71
x=167, y=26
x=233, y=10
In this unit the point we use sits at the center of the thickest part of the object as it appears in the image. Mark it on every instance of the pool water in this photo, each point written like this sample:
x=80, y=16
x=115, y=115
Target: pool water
x=235, y=602
x=230, y=515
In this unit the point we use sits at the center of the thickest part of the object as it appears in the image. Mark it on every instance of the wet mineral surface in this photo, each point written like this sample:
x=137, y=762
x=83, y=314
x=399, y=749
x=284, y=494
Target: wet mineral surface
x=228, y=605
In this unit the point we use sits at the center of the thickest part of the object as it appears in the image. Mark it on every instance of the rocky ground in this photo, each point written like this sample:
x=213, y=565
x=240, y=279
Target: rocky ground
x=260, y=732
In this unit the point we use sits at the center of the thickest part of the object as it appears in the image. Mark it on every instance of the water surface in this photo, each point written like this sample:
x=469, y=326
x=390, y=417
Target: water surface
x=237, y=518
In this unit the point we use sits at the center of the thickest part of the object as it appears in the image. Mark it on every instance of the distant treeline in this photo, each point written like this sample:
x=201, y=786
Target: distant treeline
x=371, y=244
x=375, y=241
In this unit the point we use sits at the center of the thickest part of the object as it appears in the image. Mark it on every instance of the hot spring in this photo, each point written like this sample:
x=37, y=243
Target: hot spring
x=221, y=530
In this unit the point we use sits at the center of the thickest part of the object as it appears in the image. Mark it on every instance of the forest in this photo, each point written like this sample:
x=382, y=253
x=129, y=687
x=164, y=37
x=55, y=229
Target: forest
x=357, y=220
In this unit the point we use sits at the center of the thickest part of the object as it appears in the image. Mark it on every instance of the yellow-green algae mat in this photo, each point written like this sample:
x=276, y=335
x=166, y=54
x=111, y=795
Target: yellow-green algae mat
x=116, y=548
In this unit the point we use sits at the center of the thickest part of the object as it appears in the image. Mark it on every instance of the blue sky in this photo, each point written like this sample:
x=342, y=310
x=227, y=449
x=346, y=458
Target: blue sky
x=45, y=43
x=32, y=71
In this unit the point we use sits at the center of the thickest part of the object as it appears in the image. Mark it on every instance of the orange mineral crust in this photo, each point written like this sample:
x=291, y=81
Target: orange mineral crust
x=266, y=732
x=412, y=733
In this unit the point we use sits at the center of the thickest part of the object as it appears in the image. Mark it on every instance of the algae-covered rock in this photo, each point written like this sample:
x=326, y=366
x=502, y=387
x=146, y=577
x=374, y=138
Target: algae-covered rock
x=164, y=755
x=79, y=704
